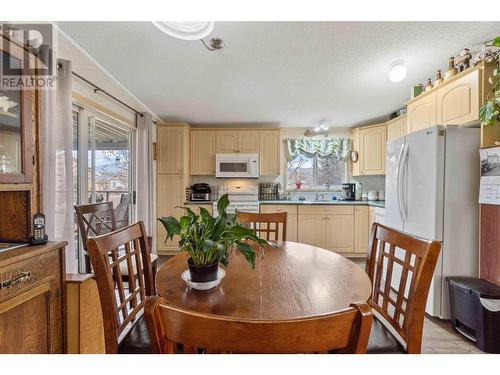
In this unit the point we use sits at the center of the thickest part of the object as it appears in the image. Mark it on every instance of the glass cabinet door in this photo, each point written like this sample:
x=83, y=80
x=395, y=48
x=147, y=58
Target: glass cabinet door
x=15, y=131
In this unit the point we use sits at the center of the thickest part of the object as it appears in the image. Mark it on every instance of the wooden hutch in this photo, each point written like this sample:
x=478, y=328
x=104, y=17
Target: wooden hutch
x=31, y=277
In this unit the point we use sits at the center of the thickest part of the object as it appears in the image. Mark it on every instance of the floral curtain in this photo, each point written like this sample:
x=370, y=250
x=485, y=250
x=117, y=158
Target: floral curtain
x=338, y=147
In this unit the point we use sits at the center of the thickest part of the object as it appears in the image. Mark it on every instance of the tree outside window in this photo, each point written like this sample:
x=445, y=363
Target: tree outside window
x=315, y=173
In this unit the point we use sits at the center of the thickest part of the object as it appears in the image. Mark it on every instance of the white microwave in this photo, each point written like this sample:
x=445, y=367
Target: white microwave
x=237, y=165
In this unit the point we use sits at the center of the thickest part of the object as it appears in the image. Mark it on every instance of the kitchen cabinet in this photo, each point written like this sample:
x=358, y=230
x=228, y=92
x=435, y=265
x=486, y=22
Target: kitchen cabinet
x=370, y=143
x=328, y=227
x=172, y=149
x=31, y=299
x=373, y=140
x=311, y=229
x=422, y=113
x=227, y=141
x=458, y=102
x=339, y=233
x=170, y=194
x=270, y=153
x=291, y=218
x=248, y=141
x=206, y=143
x=361, y=229
x=455, y=101
x=396, y=128
x=202, y=152
x=172, y=171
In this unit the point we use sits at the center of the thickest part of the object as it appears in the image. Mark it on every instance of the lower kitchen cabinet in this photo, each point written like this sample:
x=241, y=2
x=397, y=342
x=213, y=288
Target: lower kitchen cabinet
x=311, y=230
x=362, y=229
x=339, y=228
x=339, y=233
x=291, y=219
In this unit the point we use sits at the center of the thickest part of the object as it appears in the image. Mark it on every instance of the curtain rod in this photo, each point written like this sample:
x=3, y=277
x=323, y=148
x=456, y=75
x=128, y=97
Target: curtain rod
x=97, y=88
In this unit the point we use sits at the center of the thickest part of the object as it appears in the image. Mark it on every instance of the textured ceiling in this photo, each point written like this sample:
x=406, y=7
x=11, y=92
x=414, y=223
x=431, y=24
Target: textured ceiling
x=287, y=73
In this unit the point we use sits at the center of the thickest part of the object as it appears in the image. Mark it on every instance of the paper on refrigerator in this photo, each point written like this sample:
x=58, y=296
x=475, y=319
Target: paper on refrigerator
x=489, y=191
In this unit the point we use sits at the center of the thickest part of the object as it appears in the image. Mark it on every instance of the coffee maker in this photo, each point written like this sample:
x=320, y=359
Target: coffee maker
x=348, y=192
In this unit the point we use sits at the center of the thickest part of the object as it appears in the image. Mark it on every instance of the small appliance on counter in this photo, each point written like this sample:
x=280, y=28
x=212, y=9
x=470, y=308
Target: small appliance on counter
x=348, y=192
x=373, y=195
x=268, y=191
x=200, y=192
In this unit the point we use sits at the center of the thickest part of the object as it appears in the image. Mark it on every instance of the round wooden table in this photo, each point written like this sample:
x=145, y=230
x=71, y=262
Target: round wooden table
x=290, y=282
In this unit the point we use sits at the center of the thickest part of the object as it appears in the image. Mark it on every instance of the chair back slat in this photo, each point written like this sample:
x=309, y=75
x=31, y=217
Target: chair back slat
x=121, y=302
x=265, y=224
x=346, y=331
x=401, y=301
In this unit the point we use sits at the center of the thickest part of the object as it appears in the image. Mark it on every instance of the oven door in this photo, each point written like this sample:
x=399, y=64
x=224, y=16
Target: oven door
x=237, y=166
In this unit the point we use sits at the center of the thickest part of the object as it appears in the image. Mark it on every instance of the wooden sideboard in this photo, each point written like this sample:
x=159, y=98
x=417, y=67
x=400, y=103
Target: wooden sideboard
x=31, y=299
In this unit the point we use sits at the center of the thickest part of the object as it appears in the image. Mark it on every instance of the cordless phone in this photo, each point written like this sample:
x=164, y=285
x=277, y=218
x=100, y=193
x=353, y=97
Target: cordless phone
x=39, y=236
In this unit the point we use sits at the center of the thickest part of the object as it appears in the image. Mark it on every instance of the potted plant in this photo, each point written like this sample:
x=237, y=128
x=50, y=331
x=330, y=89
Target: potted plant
x=489, y=113
x=208, y=240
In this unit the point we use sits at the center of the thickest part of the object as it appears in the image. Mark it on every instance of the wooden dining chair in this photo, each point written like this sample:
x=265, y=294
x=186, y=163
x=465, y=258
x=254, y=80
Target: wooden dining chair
x=263, y=224
x=400, y=268
x=345, y=332
x=122, y=307
x=97, y=219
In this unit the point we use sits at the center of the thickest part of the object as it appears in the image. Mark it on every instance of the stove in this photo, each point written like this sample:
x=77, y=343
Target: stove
x=241, y=198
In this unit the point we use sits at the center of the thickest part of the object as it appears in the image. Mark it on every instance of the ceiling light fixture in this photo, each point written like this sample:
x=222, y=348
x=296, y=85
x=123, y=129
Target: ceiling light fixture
x=398, y=71
x=320, y=129
x=185, y=30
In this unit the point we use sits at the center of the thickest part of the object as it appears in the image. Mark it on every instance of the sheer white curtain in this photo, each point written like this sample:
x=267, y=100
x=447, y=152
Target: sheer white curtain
x=57, y=163
x=144, y=168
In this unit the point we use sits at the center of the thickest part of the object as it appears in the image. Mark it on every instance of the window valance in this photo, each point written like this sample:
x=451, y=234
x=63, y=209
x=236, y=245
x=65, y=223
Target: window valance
x=338, y=147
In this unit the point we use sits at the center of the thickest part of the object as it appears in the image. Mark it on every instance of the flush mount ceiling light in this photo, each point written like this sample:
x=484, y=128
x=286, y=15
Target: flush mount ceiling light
x=398, y=71
x=185, y=30
x=320, y=129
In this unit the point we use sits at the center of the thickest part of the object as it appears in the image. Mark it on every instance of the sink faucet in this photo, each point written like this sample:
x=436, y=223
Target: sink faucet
x=320, y=196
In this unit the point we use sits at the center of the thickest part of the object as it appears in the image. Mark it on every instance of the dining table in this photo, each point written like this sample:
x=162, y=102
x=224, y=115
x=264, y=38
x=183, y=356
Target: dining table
x=290, y=281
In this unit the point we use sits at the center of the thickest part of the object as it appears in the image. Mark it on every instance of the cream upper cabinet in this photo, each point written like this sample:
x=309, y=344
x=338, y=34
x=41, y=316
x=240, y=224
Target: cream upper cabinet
x=458, y=101
x=421, y=114
x=372, y=141
x=291, y=217
x=311, y=230
x=356, y=165
x=172, y=148
x=248, y=141
x=396, y=128
x=170, y=193
x=202, y=152
x=361, y=229
x=270, y=152
x=227, y=141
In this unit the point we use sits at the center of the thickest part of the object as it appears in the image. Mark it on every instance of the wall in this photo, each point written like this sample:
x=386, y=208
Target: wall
x=369, y=182
x=88, y=67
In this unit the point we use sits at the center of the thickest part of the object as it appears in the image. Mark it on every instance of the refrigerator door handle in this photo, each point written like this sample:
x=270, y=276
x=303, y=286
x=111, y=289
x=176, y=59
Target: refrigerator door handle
x=404, y=171
x=398, y=180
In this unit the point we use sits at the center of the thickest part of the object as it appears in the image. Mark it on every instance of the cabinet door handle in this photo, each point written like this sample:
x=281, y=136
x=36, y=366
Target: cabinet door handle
x=14, y=280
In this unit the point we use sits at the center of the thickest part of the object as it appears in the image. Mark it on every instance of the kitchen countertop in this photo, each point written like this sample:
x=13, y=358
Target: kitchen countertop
x=306, y=202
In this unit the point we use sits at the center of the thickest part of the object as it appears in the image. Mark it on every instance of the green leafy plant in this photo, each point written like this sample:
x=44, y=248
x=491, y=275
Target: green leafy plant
x=208, y=240
x=489, y=114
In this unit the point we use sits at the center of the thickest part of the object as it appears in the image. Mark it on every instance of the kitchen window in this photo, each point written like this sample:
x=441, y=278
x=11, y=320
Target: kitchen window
x=315, y=173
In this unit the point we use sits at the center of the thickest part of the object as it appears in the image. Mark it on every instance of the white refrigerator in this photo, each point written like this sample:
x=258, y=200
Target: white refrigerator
x=432, y=187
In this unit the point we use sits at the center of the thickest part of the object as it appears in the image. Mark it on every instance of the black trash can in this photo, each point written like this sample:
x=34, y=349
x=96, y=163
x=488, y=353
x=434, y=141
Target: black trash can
x=475, y=311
